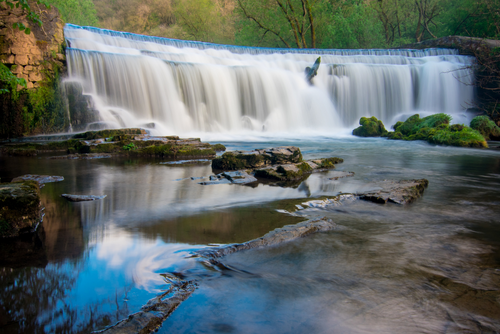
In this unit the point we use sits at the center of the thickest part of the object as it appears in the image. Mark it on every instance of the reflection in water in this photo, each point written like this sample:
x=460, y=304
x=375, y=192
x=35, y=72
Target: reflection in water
x=431, y=267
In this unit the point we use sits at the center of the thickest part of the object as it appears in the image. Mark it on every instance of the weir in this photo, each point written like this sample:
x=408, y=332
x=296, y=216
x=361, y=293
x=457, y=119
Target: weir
x=191, y=87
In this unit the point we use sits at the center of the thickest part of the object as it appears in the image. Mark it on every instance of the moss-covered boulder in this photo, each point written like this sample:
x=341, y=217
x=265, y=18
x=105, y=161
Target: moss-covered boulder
x=370, y=127
x=110, y=133
x=435, y=129
x=485, y=126
x=20, y=209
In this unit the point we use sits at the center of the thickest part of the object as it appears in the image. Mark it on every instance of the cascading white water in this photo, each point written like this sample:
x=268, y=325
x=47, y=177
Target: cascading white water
x=186, y=86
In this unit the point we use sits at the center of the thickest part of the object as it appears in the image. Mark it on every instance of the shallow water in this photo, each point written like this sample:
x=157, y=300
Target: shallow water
x=429, y=267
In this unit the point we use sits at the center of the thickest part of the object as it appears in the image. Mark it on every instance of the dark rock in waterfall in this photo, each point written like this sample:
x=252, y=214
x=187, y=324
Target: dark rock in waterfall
x=399, y=192
x=81, y=107
x=20, y=210
x=82, y=198
x=312, y=72
x=370, y=127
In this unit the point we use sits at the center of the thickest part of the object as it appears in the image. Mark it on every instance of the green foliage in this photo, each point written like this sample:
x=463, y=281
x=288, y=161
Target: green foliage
x=435, y=129
x=370, y=127
x=330, y=162
x=8, y=80
x=130, y=147
x=30, y=14
x=485, y=126
x=81, y=12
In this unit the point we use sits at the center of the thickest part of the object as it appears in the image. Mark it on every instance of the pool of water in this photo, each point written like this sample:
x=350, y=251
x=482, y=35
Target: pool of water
x=429, y=267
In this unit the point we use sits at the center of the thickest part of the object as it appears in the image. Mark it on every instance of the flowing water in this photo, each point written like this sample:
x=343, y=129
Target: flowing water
x=185, y=87
x=428, y=267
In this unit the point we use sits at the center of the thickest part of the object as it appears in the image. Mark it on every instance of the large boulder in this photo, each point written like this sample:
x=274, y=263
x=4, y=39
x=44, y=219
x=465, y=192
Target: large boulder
x=370, y=127
x=20, y=208
x=485, y=126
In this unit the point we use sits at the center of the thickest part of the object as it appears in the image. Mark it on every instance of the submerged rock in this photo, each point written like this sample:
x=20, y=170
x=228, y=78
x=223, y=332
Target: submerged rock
x=86, y=156
x=275, y=237
x=82, y=198
x=399, y=192
x=20, y=208
x=235, y=177
x=340, y=175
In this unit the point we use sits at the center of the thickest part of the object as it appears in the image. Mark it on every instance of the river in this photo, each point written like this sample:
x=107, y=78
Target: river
x=432, y=266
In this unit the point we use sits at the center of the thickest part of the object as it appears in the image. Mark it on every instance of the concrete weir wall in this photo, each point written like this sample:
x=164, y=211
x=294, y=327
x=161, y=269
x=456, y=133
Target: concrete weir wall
x=31, y=56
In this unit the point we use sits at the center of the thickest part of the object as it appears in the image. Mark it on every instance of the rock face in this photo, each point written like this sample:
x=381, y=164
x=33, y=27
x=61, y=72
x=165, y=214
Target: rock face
x=20, y=209
x=399, y=192
x=25, y=54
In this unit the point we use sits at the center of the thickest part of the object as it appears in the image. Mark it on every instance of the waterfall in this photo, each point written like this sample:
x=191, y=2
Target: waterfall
x=186, y=86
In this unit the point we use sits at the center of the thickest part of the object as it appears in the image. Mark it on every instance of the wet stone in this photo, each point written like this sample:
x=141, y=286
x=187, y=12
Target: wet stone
x=41, y=179
x=335, y=175
x=399, y=192
x=82, y=198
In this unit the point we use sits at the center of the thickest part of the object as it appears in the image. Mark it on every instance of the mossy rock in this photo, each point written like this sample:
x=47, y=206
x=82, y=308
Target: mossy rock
x=370, y=127
x=330, y=162
x=414, y=123
x=219, y=147
x=109, y=133
x=485, y=126
x=466, y=137
x=232, y=161
x=20, y=209
x=396, y=135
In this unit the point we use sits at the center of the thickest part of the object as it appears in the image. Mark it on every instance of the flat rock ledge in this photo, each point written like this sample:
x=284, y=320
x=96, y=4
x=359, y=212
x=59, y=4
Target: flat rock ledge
x=275, y=237
x=40, y=179
x=100, y=144
x=82, y=198
x=20, y=208
x=399, y=192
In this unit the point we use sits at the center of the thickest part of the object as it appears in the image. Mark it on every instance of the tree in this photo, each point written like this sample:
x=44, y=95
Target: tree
x=81, y=12
x=291, y=21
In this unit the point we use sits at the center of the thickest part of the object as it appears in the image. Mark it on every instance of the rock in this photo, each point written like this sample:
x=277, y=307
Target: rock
x=40, y=179
x=257, y=158
x=339, y=175
x=235, y=177
x=82, y=198
x=278, y=236
x=85, y=156
x=312, y=72
x=486, y=127
x=20, y=210
x=399, y=192
x=370, y=127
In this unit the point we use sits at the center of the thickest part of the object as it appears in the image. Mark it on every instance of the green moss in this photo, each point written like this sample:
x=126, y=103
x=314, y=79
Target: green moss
x=395, y=135
x=486, y=127
x=330, y=162
x=466, y=137
x=102, y=134
x=229, y=161
x=219, y=147
x=370, y=127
